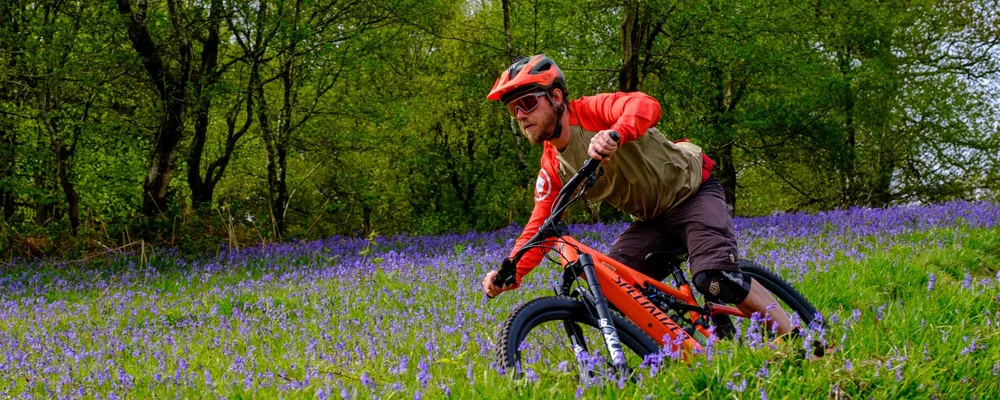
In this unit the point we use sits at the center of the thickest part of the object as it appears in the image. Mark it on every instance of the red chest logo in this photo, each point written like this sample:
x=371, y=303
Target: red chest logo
x=543, y=186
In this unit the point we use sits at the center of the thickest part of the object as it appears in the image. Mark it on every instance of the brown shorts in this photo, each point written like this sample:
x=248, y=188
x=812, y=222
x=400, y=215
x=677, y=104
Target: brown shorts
x=702, y=223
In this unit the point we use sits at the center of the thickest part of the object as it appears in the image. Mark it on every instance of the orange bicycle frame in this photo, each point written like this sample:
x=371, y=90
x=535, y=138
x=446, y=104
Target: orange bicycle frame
x=621, y=286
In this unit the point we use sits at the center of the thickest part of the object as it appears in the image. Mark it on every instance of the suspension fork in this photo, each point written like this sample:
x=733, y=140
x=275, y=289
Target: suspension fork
x=573, y=330
x=603, y=313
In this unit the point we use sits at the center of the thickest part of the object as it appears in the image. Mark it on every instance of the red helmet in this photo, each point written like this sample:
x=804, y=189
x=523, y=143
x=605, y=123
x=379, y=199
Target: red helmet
x=527, y=73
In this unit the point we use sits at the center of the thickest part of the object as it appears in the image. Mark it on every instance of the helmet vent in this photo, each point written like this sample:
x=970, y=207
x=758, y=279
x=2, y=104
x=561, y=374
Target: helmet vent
x=519, y=63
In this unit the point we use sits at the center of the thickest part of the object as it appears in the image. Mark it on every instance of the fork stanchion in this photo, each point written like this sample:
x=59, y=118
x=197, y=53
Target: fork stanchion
x=603, y=313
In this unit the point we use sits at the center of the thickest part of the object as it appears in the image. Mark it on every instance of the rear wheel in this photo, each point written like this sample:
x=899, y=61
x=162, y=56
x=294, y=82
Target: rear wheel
x=534, y=341
x=798, y=308
x=793, y=301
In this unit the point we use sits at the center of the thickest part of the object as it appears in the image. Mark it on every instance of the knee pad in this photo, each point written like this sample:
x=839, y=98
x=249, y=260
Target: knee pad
x=723, y=286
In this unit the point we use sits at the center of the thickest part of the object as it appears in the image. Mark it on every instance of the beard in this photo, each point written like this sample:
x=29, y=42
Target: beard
x=541, y=131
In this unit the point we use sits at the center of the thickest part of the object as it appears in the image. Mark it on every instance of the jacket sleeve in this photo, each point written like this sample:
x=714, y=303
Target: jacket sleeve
x=629, y=114
x=547, y=187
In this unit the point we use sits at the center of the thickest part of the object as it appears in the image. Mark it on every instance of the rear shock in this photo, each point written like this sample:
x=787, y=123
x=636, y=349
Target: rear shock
x=677, y=311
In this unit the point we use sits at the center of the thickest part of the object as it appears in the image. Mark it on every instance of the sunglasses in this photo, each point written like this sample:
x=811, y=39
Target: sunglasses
x=526, y=103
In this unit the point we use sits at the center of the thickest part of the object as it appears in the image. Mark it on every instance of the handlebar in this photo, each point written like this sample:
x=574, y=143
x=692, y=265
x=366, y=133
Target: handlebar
x=508, y=267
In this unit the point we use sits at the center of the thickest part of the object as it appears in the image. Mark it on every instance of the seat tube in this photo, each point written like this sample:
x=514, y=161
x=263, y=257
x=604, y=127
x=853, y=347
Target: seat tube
x=603, y=313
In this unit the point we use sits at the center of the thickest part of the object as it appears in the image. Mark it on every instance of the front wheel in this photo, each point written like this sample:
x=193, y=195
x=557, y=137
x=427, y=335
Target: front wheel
x=535, y=340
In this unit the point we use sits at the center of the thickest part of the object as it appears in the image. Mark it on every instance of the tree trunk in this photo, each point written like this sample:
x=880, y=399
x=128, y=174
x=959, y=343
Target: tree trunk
x=280, y=187
x=69, y=190
x=163, y=155
x=281, y=195
x=278, y=190
x=634, y=27
x=277, y=161
x=473, y=178
x=202, y=189
x=271, y=157
x=880, y=189
x=723, y=106
x=275, y=148
x=7, y=151
x=8, y=138
x=201, y=194
x=506, y=29
x=62, y=154
x=880, y=194
x=726, y=172
x=43, y=212
x=8, y=146
x=511, y=54
x=849, y=181
x=172, y=87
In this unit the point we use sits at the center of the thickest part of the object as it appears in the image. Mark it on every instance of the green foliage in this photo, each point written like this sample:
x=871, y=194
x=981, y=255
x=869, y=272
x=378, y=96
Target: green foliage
x=377, y=118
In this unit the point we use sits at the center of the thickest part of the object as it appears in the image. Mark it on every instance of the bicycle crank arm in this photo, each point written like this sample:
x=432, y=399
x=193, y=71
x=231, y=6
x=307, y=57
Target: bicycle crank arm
x=603, y=313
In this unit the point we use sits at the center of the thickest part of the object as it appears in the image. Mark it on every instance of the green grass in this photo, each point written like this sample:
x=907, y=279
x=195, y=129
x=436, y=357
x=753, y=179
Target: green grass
x=307, y=324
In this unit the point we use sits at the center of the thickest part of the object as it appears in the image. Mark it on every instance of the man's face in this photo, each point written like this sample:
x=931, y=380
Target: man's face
x=538, y=124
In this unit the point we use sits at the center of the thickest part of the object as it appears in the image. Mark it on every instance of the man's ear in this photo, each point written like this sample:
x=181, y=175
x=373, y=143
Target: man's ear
x=558, y=96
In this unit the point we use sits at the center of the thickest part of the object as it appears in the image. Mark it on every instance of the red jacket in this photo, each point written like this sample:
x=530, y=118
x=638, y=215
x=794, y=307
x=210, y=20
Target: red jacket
x=629, y=114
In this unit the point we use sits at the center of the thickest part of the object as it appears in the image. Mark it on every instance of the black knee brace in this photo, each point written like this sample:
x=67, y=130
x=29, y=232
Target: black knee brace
x=723, y=286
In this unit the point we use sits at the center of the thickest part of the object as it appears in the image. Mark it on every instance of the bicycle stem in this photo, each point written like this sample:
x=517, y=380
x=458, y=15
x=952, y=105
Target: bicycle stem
x=603, y=312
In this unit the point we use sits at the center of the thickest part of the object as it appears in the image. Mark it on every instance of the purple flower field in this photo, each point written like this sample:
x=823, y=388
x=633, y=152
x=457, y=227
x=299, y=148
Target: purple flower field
x=912, y=295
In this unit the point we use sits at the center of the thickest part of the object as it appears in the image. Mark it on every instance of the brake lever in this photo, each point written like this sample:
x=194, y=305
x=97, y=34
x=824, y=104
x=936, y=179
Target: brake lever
x=592, y=179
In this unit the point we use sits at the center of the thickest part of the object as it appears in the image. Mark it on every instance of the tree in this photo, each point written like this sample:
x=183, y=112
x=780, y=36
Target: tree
x=306, y=45
x=10, y=53
x=725, y=65
x=206, y=77
x=171, y=79
x=910, y=115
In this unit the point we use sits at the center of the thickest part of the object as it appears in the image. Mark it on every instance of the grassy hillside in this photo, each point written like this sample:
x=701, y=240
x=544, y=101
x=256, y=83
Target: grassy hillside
x=912, y=296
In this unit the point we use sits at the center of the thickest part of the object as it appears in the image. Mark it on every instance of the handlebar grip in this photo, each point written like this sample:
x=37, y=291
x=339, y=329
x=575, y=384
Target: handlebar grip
x=505, y=275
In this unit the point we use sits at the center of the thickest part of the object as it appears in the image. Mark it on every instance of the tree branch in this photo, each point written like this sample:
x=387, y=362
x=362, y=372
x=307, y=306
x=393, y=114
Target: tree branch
x=143, y=44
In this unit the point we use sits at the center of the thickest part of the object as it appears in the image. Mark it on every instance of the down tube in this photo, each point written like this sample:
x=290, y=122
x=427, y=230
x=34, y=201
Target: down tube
x=637, y=307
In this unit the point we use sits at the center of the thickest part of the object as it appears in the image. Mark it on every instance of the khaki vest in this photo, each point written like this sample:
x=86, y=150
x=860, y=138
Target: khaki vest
x=646, y=177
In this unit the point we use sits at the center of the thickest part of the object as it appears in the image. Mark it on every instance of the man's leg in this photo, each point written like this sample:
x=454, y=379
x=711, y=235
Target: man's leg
x=759, y=300
x=630, y=248
x=734, y=287
x=704, y=222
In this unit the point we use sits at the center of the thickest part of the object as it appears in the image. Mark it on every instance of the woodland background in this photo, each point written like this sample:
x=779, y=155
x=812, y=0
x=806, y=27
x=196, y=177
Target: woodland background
x=193, y=123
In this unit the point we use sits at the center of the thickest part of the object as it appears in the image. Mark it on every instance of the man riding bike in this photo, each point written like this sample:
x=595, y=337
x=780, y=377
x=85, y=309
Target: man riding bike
x=667, y=187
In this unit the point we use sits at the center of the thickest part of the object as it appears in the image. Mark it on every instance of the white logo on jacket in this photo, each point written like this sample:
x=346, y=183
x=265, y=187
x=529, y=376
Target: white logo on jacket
x=543, y=186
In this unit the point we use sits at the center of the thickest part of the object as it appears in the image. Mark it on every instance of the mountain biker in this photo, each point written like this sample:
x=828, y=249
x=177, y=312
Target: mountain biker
x=667, y=187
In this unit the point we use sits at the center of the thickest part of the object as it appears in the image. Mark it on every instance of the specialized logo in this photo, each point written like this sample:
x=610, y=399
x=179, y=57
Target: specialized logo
x=676, y=330
x=714, y=288
x=543, y=186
